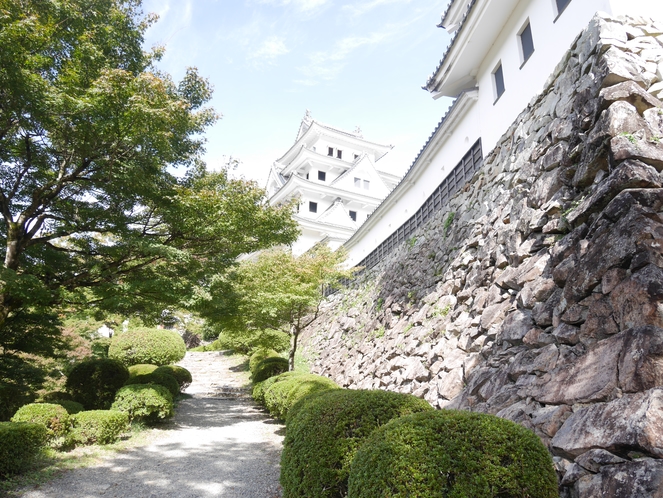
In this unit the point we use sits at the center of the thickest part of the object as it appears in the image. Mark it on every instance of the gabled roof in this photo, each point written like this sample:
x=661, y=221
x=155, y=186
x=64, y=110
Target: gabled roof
x=335, y=213
x=363, y=159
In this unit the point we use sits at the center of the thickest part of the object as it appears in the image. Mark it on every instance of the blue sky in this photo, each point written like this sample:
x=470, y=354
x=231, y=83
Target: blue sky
x=351, y=63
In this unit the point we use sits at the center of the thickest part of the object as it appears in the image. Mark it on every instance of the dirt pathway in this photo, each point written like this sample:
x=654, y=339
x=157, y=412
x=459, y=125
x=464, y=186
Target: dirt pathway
x=219, y=444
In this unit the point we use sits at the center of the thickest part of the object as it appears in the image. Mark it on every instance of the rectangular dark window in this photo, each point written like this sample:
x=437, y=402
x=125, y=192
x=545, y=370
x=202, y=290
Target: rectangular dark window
x=322, y=176
x=339, y=154
x=356, y=156
x=353, y=215
x=357, y=182
x=330, y=151
x=561, y=5
x=526, y=42
x=307, y=176
x=313, y=207
x=498, y=80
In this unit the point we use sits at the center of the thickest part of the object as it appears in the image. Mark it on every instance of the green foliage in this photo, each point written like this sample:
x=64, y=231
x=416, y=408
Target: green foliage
x=284, y=393
x=20, y=444
x=246, y=341
x=448, y=221
x=259, y=355
x=161, y=378
x=452, y=454
x=146, y=402
x=72, y=407
x=260, y=388
x=324, y=432
x=144, y=345
x=269, y=367
x=54, y=417
x=93, y=383
x=100, y=347
x=141, y=369
x=98, y=426
x=181, y=374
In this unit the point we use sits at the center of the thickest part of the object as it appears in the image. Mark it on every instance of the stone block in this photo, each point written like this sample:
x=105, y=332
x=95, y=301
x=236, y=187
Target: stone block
x=637, y=479
x=641, y=359
x=633, y=422
x=593, y=460
x=631, y=92
x=638, y=300
x=515, y=326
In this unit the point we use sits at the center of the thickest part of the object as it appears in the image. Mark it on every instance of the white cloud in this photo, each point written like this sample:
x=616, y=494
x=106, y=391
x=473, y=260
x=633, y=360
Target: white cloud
x=270, y=49
x=362, y=8
x=327, y=65
x=303, y=5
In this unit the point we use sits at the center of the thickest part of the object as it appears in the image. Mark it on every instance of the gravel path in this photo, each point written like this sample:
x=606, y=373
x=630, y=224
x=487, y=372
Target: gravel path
x=219, y=444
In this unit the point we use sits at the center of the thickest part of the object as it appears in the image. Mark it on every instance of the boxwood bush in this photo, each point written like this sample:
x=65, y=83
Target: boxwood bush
x=146, y=402
x=258, y=355
x=260, y=388
x=324, y=431
x=53, y=417
x=284, y=393
x=98, y=426
x=20, y=444
x=72, y=407
x=452, y=454
x=144, y=345
x=269, y=367
x=93, y=383
x=160, y=378
x=181, y=374
x=141, y=369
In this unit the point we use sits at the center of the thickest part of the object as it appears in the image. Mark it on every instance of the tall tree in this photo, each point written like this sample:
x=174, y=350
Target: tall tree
x=276, y=291
x=90, y=213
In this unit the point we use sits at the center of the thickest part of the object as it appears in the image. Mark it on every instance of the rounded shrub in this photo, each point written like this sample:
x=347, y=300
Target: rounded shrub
x=72, y=407
x=451, y=453
x=141, y=369
x=93, y=383
x=324, y=431
x=160, y=378
x=20, y=444
x=98, y=426
x=269, y=367
x=284, y=393
x=143, y=345
x=260, y=388
x=259, y=355
x=54, y=417
x=147, y=402
x=181, y=374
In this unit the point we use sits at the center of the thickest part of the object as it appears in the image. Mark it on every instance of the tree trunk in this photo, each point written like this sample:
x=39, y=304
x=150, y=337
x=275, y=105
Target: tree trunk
x=294, y=334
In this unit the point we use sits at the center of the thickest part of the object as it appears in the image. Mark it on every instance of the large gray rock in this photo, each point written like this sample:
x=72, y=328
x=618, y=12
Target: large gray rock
x=637, y=479
x=631, y=423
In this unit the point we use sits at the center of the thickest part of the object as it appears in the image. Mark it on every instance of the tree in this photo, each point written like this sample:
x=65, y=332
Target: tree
x=90, y=212
x=277, y=291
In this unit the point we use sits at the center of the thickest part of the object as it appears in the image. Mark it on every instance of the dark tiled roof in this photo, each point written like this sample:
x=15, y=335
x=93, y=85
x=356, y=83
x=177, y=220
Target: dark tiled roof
x=431, y=79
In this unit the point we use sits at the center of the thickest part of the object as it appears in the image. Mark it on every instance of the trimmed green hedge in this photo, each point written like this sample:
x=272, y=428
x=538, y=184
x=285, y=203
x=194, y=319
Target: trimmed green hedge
x=259, y=355
x=93, y=383
x=160, y=378
x=143, y=345
x=148, y=402
x=452, y=454
x=53, y=417
x=141, y=369
x=72, y=407
x=269, y=367
x=98, y=426
x=324, y=431
x=260, y=388
x=20, y=444
x=181, y=374
x=284, y=393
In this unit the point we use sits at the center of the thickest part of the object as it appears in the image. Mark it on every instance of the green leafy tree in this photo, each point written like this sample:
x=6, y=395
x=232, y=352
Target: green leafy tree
x=276, y=291
x=91, y=214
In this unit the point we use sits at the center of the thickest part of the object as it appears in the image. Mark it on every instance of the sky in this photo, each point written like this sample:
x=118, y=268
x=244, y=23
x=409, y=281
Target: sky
x=349, y=62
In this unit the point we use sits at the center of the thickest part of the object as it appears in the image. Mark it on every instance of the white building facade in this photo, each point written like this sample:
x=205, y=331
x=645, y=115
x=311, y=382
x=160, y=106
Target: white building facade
x=500, y=58
x=332, y=177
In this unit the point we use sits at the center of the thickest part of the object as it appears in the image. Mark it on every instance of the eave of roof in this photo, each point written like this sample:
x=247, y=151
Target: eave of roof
x=320, y=188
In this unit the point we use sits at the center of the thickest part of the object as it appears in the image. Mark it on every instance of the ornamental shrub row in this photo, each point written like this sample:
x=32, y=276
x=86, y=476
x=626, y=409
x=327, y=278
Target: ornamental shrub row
x=144, y=345
x=259, y=355
x=287, y=391
x=20, y=444
x=363, y=444
x=269, y=367
x=98, y=426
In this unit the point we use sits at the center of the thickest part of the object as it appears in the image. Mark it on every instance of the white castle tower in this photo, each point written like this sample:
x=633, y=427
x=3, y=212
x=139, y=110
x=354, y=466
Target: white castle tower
x=333, y=176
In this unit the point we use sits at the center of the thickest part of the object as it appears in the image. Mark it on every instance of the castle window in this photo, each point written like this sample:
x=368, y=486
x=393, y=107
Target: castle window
x=322, y=176
x=498, y=82
x=357, y=182
x=313, y=207
x=526, y=43
x=330, y=151
x=356, y=156
x=366, y=184
x=561, y=5
x=339, y=154
x=353, y=215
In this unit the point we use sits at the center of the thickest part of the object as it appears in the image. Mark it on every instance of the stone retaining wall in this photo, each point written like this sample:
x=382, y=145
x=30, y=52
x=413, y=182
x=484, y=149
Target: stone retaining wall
x=537, y=294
